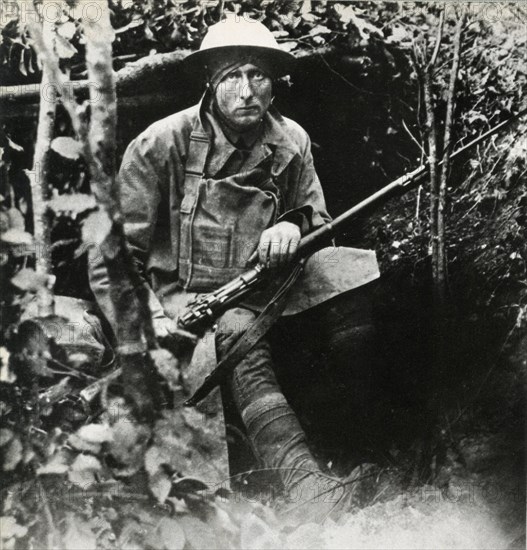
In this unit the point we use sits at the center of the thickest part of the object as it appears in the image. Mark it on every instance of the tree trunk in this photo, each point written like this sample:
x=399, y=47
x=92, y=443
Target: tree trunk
x=39, y=182
x=134, y=332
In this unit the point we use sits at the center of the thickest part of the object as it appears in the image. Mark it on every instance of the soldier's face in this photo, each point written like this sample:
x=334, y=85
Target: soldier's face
x=243, y=97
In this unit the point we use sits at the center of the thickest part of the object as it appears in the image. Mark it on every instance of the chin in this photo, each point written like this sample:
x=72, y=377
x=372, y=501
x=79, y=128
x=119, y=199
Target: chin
x=247, y=124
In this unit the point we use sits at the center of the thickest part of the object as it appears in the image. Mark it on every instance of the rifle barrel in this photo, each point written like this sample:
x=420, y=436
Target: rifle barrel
x=309, y=244
x=398, y=187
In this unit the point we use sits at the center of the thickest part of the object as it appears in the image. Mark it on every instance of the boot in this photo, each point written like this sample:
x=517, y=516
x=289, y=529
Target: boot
x=280, y=443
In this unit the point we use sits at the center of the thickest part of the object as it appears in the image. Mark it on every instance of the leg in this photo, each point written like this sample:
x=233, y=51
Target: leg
x=272, y=427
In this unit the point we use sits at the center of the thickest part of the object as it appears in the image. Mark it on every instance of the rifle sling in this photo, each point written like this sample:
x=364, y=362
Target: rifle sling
x=249, y=339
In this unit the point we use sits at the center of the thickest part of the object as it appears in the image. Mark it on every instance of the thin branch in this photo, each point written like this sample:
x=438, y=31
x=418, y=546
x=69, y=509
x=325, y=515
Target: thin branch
x=413, y=138
x=432, y=158
x=441, y=251
x=439, y=38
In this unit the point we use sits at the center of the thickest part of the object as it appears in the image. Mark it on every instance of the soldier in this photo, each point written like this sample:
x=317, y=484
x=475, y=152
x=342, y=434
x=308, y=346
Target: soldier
x=205, y=188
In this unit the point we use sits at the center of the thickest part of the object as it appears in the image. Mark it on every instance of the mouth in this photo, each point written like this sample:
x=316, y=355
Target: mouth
x=247, y=110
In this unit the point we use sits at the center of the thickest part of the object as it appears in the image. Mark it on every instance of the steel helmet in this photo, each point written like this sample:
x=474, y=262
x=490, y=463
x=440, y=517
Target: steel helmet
x=238, y=36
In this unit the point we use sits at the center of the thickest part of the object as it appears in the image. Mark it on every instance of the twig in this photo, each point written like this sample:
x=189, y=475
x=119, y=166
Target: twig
x=441, y=246
x=413, y=138
x=327, y=491
x=439, y=38
x=418, y=207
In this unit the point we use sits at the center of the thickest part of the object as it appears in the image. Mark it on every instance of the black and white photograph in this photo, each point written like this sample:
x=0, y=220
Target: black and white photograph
x=263, y=274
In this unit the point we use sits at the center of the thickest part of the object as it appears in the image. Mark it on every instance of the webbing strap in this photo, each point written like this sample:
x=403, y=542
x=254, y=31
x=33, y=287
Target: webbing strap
x=196, y=158
x=194, y=172
x=249, y=339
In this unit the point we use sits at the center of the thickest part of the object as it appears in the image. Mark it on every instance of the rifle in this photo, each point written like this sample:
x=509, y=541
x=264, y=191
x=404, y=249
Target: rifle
x=208, y=308
x=204, y=311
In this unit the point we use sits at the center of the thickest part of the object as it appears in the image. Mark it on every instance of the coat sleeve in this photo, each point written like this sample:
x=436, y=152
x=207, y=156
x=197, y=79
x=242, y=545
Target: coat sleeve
x=140, y=196
x=306, y=199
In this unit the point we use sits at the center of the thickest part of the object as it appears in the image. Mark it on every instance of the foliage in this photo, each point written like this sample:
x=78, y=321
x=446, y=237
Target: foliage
x=121, y=497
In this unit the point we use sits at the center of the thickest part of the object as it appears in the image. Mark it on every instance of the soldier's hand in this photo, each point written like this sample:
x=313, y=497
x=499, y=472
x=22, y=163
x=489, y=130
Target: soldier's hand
x=179, y=342
x=164, y=326
x=278, y=244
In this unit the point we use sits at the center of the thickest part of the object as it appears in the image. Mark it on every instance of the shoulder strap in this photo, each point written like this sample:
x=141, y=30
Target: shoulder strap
x=196, y=157
x=249, y=339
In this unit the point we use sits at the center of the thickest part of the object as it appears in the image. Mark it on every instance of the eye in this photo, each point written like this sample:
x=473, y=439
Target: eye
x=258, y=75
x=231, y=77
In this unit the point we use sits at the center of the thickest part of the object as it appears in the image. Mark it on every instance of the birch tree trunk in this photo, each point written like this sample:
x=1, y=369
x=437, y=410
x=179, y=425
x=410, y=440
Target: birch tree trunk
x=38, y=177
x=134, y=331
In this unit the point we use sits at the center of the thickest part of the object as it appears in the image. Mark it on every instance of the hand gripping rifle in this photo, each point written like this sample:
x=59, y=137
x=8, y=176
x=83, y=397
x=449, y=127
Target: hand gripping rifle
x=204, y=311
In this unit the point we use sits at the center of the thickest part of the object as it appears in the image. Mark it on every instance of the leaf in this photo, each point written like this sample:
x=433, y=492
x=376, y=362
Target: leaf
x=16, y=219
x=347, y=15
x=82, y=471
x=14, y=146
x=58, y=464
x=78, y=535
x=64, y=48
x=257, y=535
x=149, y=35
x=159, y=481
x=6, y=435
x=128, y=444
x=224, y=522
x=95, y=433
x=74, y=202
x=160, y=485
x=400, y=35
x=96, y=228
x=319, y=29
x=67, y=147
x=198, y=533
x=167, y=366
x=188, y=485
x=171, y=534
x=288, y=46
x=12, y=454
x=29, y=280
x=6, y=374
x=9, y=528
x=16, y=237
x=82, y=445
x=67, y=30
x=130, y=537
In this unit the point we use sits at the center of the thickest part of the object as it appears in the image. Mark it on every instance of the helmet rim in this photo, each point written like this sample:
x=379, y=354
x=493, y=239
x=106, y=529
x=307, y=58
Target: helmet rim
x=198, y=61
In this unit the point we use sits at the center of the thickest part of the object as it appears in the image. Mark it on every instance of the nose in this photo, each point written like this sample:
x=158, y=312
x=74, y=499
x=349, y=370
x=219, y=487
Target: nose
x=246, y=88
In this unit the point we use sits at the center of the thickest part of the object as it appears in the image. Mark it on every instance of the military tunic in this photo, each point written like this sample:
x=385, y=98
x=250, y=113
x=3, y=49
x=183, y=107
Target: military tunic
x=279, y=166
